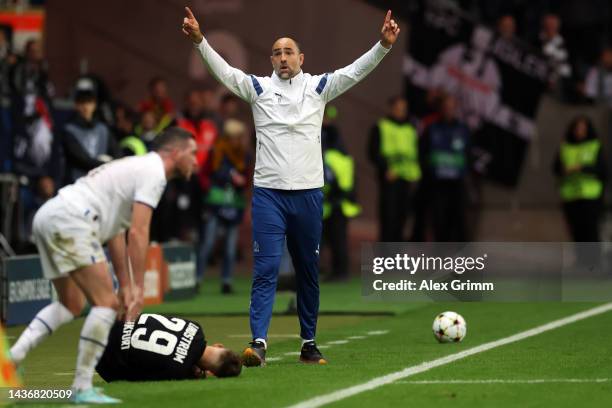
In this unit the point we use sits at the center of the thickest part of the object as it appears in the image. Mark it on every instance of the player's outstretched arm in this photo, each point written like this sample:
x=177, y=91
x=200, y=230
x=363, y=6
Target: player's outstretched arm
x=234, y=79
x=343, y=79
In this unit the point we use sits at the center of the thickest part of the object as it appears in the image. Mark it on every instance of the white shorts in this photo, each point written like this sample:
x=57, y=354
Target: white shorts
x=67, y=239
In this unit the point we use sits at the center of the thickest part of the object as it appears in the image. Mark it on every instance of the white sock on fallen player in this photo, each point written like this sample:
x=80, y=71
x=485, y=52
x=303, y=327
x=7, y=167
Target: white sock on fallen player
x=49, y=319
x=94, y=336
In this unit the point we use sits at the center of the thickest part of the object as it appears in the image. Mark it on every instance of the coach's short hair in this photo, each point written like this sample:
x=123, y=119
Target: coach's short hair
x=170, y=137
x=230, y=365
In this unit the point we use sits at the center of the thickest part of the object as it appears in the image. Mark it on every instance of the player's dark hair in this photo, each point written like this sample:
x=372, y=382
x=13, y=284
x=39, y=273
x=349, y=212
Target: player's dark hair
x=230, y=365
x=169, y=137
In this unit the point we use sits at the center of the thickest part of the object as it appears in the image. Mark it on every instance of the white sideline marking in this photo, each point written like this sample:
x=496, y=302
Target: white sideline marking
x=321, y=347
x=500, y=381
x=428, y=365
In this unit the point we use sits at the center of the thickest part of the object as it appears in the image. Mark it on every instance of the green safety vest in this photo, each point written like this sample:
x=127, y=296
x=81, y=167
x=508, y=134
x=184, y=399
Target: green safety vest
x=225, y=197
x=134, y=144
x=344, y=169
x=578, y=185
x=398, y=144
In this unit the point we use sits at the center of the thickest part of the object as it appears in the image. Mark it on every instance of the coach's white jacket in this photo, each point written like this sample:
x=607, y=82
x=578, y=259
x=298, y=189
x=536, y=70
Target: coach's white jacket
x=288, y=115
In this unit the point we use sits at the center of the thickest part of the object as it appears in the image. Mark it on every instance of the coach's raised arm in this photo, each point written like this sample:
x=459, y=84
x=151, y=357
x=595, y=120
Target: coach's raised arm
x=339, y=81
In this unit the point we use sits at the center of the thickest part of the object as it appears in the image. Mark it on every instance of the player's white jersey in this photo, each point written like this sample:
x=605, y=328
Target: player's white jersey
x=108, y=192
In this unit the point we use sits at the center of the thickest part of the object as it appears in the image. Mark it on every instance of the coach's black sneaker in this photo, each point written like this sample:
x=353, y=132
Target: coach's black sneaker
x=255, y=355
x=311, y=355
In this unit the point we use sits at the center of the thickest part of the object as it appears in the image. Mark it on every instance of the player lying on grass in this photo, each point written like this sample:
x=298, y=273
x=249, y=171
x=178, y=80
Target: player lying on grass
x=155, y=347
x=69, y=231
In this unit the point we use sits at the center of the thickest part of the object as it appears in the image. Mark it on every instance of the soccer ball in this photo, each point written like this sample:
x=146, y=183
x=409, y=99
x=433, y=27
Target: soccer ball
x=449, y=327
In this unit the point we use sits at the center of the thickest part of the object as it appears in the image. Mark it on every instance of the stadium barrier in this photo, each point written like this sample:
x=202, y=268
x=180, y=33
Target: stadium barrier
x=170, y=275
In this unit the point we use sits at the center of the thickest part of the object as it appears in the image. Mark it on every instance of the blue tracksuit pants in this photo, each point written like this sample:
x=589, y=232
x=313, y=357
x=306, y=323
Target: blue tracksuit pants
x=296, y=215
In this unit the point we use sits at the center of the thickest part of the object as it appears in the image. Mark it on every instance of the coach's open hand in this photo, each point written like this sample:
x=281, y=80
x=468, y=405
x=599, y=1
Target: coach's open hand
x=388, y=33
x=191, y=28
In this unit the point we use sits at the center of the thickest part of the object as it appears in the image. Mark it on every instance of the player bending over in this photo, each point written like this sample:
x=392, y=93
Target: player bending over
x=69, y=231
x=155, y=347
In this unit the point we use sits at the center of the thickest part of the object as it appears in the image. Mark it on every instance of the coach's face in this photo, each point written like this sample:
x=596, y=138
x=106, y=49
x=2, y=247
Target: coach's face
x=186, y=160
x=286, y=58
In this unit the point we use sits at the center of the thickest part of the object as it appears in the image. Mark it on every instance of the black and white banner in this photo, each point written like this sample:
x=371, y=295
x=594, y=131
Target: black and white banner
x=497, y=82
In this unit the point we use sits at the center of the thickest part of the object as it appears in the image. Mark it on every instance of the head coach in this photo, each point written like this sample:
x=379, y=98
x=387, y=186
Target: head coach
x=288, y=109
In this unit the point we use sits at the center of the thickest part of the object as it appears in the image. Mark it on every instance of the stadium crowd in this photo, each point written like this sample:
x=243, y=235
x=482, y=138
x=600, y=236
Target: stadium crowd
x=421, y=170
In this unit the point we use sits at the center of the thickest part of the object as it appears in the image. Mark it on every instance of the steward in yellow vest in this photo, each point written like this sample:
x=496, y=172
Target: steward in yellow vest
x=339, y=189
x=578, y=162
x=399, y=148
x=339, y=202
x=581, y=169
x=394, y=150
x=132, y=146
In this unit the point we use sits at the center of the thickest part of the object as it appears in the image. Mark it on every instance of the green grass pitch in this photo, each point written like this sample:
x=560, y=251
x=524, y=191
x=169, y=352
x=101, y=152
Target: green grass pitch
x=566, y=367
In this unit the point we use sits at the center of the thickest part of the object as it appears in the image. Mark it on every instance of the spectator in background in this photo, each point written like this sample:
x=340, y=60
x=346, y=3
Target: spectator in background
x=422, y=210
x=444, y=155
x=105, y=105
x=339, y=200
x=197, y=121
x=393, y=149
x=30, y=101
x=159, y=103
x=125, y=125
x=598, y=82
x=581, y=170
x=87, y=141
x=553, y=47
x=148, y=129
x=7, y=60
x=506, y=27
x=229, y=107
x=225, y=201
x=35, y=150
x=29, y=76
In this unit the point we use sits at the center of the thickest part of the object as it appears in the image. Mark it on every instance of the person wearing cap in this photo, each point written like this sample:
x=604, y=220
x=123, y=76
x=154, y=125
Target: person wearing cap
x=87, y=141
x=288, y=107
x=225, y=200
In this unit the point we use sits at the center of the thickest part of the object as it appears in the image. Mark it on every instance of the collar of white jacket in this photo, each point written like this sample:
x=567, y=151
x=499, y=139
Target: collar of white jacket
x=287, y=82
